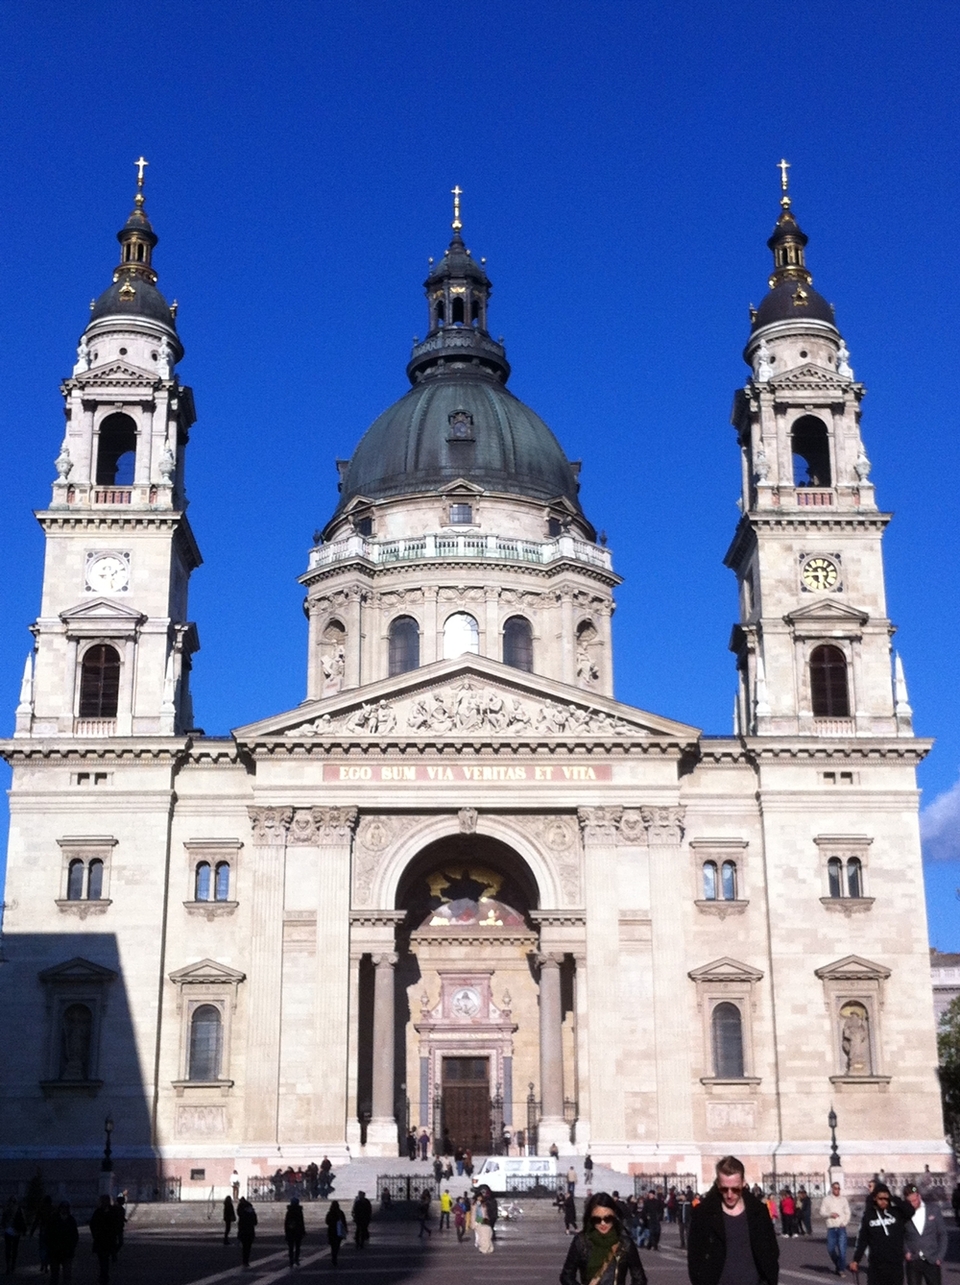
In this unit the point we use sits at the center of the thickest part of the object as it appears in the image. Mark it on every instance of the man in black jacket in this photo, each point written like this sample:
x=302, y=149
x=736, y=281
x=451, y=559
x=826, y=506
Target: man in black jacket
x=881, y=1237
x=731, y=1239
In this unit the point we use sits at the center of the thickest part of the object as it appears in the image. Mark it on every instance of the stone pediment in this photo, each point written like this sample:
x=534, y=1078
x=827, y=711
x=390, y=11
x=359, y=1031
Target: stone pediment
x=853, y=968
x=102, y=609
x=77, y=971
x=115, y=374
x=812, y=376
x=824, y=612
x=464, y=699
x=206, y=972
x=725, y=969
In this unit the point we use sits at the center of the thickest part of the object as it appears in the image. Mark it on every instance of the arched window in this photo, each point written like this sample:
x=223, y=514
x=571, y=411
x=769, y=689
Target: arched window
x=456, y=312
x=404, y=645
x=100, y=682
x=835, y=876
x=205, y=1043
x=222, y=888
x=709, y=881
x=828, y=682
x=117, y=451
x=75, y=880
x=95, y=880
x=854, y=877
x=475, y=311
x=729, y=880
x=810, y=444
x=518, y=644
x=439, y=314
x=201, y=885
x=461, y=634
x=76, y=1031
x=727, y=1042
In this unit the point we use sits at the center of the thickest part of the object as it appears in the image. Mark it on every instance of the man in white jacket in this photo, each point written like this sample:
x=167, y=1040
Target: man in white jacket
x=835, y=1210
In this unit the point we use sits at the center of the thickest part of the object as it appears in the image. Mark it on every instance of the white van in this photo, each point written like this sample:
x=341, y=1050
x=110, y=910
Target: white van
x=496, y=1170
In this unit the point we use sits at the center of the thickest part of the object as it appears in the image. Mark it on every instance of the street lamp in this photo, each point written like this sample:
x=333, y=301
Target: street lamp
x=106, y=1165
x=834, y=1154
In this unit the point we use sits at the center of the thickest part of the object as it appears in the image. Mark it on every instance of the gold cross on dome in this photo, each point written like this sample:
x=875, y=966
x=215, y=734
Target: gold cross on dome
x=783, y=166
x=457, y=193
x=141, y=165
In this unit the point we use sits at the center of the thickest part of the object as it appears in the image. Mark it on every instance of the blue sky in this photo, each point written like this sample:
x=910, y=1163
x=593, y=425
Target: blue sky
x=618, y=164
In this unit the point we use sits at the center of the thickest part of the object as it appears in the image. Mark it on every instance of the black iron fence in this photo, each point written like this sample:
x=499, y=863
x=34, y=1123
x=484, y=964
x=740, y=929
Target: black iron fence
x=536, y=1186
x=933, y=1186
x=405, y=1186
x=661, y=1183
x=815, y=1184
x=145, y=1192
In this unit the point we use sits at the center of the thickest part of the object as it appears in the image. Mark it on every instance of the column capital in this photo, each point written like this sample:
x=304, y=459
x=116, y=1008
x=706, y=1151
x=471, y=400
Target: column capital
x=334, y=825
x=549, y=959
x=270, y=825
x=600, y=825
x=664, y=825
x=385, y=959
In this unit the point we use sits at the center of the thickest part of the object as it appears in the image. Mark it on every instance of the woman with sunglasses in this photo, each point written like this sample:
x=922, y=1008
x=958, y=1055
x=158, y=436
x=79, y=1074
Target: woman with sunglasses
x=603, y=1253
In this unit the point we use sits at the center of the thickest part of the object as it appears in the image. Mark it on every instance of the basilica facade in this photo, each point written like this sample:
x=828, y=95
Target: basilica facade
x=462, y=887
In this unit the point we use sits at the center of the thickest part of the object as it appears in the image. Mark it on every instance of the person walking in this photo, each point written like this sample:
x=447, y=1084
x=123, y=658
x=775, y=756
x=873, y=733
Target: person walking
x=103, y=1232
x=235, y=1185
x=788, y=1213
x=118, y=1211
x=39, y=1225
x=881, y=1238
x=460, y=1216
x=684, y=1209
x=835, y=1212
x=294, y=1230
x=804, y=1212
x=570, y=1215
x=652, y=1216
x=571, y=1180
x=423, y=1213
x=482, y=1226
x=424, y=1144
x=411, y=1144
x=336, y=1230
x=731, y=1237
x=588, y=1171
x=14, y=1226
x=925, y=1239
x=602, y=1253
x=229, y=1217
x=361, y=1214
x=246, y=1228
x=325, y=1178
x=446, y=1207
x=63, y=1236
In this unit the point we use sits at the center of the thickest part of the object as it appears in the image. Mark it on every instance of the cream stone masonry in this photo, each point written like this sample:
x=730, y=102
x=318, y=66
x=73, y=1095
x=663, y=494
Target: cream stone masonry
x=462, y=888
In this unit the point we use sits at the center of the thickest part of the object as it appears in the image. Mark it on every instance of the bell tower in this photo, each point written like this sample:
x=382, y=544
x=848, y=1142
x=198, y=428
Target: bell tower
x=813, y=639
x=112, y=641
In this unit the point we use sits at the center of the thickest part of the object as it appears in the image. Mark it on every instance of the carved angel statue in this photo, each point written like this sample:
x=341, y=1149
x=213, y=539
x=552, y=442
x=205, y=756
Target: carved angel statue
x=587, y=671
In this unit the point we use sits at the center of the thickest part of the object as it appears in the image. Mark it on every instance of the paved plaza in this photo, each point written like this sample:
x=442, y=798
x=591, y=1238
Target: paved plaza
x=530, y=1252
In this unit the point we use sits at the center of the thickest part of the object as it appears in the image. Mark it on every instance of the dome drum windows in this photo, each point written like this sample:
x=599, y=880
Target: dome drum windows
x=461, y=636
x=403, y=646
x=518, y=643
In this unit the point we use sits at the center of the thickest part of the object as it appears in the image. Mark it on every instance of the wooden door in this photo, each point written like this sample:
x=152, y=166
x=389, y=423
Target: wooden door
x=466, y=1102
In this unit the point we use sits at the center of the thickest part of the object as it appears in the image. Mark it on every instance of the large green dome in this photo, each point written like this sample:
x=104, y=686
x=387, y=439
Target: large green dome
x=459, y=425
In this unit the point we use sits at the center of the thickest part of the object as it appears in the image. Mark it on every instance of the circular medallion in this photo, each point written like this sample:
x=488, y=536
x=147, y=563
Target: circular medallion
x=465, y=1002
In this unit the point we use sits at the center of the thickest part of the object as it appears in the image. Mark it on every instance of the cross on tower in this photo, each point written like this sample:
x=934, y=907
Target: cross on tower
x=141, y=165
x=783, y=166
x=457, y=193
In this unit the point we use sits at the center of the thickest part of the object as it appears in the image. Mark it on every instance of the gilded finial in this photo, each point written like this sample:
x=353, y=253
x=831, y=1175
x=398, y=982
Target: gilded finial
x=457, y=193
x=783, y=166
x=141, y=163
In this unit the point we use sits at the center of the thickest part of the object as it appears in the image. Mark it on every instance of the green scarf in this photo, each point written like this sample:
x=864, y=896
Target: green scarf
x=599, y=1247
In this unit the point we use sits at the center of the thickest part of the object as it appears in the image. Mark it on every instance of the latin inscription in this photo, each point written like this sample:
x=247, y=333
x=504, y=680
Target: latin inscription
x=476, y=773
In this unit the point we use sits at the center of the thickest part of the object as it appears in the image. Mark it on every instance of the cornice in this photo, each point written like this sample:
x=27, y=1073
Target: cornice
x=72, y=749
x=399, y=748
x=374, y=572
x=909, y=748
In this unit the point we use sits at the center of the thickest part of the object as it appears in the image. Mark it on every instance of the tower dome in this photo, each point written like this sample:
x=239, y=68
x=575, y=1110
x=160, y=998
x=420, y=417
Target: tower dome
x=459, y=420
x=791, y=296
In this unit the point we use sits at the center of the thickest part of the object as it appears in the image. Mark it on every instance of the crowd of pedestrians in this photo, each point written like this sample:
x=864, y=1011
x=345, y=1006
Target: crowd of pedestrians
x=58, y=1236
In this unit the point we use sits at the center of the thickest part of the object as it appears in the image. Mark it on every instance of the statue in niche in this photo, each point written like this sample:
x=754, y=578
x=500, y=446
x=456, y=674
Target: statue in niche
x=855, y=1039
x=764, y=363
x=587, y=671
x=333, y=657
x=843, y=361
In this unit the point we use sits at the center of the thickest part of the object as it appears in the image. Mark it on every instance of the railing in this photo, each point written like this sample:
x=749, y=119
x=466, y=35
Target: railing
x=472, y=547
x=834, y=726
x=539, y=1186
x=933, y=1186
x=814, y=1184
x=161, y=1191
x=406, y=1186
x=261, y=1187
x=808, y=498
x=95, y=727
x=113, y=495
x=662, y=1182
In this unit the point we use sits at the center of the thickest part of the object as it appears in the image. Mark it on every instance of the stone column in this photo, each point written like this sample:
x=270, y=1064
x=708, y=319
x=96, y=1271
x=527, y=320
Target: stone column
x=333, y=829
x=428, y=641
x=261, y=1098
x=552, y=1125
x=664, y=826
x=582, y=1046
x=568, y=642
x=352, y=647
x=601, y=833
x=382, y=1130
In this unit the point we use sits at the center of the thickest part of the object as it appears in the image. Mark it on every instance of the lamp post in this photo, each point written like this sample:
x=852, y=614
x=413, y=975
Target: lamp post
x=106, y=1164
x=834, y=1154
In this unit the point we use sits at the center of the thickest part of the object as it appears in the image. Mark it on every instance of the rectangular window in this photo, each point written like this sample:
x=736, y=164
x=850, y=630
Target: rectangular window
x=461, y=514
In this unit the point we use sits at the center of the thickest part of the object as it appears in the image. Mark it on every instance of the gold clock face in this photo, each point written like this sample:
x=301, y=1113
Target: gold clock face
x=820, y=574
